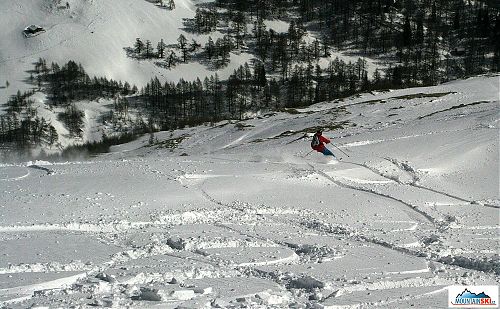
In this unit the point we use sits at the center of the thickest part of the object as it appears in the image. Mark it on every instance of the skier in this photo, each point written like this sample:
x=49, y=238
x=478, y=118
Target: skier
x=318, y=143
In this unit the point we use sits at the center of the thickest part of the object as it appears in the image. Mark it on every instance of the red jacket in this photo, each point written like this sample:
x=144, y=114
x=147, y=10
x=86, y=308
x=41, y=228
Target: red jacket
x=322, y=141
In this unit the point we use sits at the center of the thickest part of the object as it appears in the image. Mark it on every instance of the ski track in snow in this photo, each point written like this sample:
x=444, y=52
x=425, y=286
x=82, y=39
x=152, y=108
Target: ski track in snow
x=229, y=212
x=223, y=214
x=219, y=218
x=378, y=141
x=406, y=249
x=405, y=168
x=428, y=218
x=14, y=174
x=139, y=253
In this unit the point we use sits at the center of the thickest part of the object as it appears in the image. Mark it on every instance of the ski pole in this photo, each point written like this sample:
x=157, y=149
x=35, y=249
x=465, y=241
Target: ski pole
x=307, y=153
x=302, y=137
x=340, y=150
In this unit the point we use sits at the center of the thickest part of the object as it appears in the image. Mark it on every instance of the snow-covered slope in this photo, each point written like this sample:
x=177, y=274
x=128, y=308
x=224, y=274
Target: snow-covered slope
x=94, y=33
x=239, y=214
x=97, y=33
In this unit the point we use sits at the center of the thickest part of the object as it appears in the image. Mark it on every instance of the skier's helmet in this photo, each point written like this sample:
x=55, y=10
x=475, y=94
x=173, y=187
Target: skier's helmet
x=319, y=132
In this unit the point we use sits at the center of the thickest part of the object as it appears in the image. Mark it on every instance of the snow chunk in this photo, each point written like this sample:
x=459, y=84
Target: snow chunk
x=182, y=294
x=150, y=294
x=207, y=290
x=105, y=277
x=306, y=282
x=272, y=299
x=154, y=294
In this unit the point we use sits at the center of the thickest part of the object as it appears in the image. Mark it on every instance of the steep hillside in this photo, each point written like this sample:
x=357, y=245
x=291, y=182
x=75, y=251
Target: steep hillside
x=101, y=36
x=95, y=34
x=240, y=214
x=98, y=33
x=204, y=61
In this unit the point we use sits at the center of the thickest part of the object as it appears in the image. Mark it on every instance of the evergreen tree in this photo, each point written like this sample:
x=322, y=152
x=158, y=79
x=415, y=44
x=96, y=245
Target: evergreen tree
x=148, y=49
x=139, y=45
x=183, y=46
x=171, y=4
x=161, y=49
x=210, y=48
x=239, y=28
x=171, y=59
x=407, y=33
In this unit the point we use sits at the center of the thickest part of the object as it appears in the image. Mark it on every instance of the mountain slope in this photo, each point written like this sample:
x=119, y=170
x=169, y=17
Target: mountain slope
x=239, y=214
x=95, y=34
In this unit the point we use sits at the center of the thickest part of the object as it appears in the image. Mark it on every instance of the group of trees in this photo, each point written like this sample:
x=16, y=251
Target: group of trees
x=248, y=90
x=21, y=126
x=215, y=52
x=72, y=117
x=424, y=41
x=171, y=105
x=280, y=51
x=218, y=53
x=70, y=83
x=145, y=50
x=205, y=21
x=428, y=41
x=277, y=50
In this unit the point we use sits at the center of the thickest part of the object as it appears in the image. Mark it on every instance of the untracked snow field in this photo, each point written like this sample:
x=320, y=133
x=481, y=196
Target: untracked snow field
x=238, y=214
